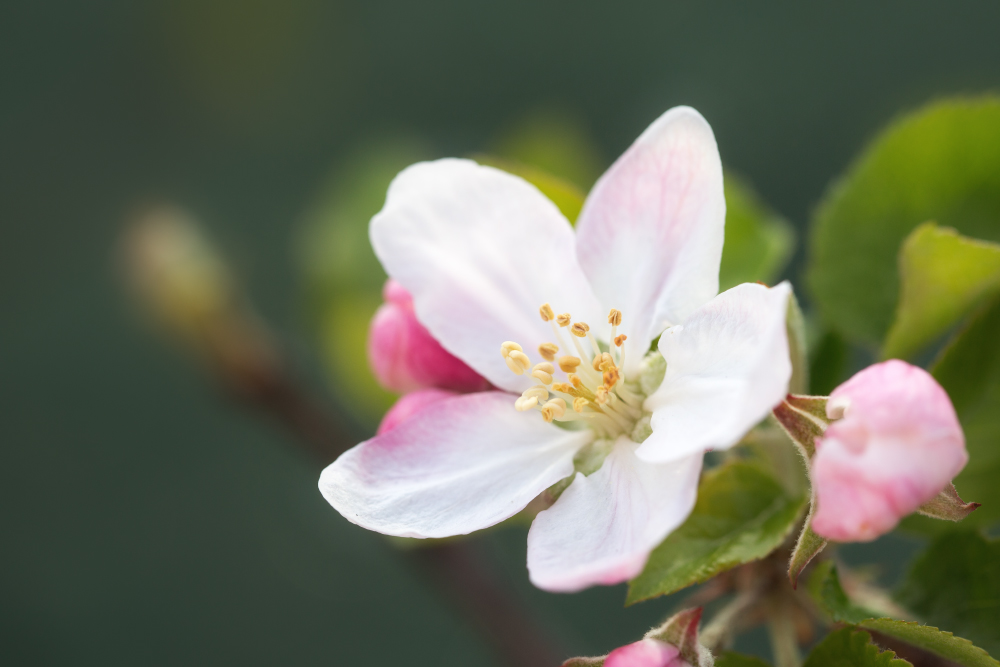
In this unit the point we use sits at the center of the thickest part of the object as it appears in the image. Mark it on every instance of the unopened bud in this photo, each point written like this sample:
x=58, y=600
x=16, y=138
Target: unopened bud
x=404, y=356
x=897, y=447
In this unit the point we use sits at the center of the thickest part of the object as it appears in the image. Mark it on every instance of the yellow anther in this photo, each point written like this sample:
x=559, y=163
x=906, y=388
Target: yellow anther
x=543, y=372
x=596, y=364
x=518, y=362
x=508, y=347
x=611, y=378
x=548, y=351
x=546, y=312
x=523, y=404
x=563, y=319
x=563, y=388
x=553, y=409
x=569, y=363
x=577, y=382
x=579, y=404
x=615, y=317
x=601, y=395
x=538, y=391
x=579, y=329
x=620, y=339
x=607, y=362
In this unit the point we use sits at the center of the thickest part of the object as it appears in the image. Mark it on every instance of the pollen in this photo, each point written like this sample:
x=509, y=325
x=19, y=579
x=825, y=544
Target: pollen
x=568, y=363
x=543, y=372
x=548, y=351
x=553, y=409
x=595, y=380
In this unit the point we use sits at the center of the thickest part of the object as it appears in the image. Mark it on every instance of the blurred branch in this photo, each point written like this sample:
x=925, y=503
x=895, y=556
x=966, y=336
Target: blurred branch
x=186, y=287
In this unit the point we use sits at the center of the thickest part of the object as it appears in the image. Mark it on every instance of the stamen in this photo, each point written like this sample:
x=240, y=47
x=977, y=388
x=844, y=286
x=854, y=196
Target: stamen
x=525, y=403
x=508, y=347
x=579, y=404
x=615, y=317
x=553, y=409
x=538, y=391
x=547, y=313
x=579, y=329
x=548, y=351
x=568, y=363
x=563, y=319
x=517, y=361
x=543, y=372
x=620, y=340
x=601, y=396
x=611, y=377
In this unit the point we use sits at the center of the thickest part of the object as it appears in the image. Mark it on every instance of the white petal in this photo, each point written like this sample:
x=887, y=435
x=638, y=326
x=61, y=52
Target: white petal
x=727, y=367
x=480, y=250
x=603, y=527
x=461, y=464
x=650, y=234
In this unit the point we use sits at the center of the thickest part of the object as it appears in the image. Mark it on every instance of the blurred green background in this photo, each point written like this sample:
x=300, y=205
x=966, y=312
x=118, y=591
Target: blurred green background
x=145, y=518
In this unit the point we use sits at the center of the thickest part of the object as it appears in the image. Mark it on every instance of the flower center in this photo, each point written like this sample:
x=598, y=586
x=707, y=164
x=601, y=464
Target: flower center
x=595, y=393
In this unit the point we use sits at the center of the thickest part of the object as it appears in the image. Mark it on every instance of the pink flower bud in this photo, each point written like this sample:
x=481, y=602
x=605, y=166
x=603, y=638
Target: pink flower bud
x=646, y=653
x=409, y=405
x=897, y=443
x=403, y=354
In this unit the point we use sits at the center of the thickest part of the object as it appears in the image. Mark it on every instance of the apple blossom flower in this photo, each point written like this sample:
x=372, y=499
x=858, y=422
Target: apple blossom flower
x=498, y=276
x=895, y=445
x=646, y=653
x=409, y=405
x=403, y=354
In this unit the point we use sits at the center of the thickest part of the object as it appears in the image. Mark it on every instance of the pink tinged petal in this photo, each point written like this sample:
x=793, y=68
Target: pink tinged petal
x=405, y=357
x=458, y=465
x=645, y=653
x=650, y=233
x=897, y=446
x=603, y=527
x=409, y=405
x=728, y=365
x=481, y=250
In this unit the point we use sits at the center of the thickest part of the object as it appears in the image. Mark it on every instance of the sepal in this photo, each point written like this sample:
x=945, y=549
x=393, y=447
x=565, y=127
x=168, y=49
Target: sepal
x=948, y=505
x=681, y=630
x=804, y=420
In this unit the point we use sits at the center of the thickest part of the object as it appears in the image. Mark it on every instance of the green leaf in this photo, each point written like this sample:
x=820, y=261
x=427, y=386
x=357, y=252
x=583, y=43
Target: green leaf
x=797, y=349
x=731, y=659
x=759, y=242
x=849, y=647
x=955, y=584
x=825, y=589
x=824, y=586
x=742, y=514
x=340, y=275
x=941, y=163
x=929, y=638
x=566, y=196
x=969, y=370
x=944, y=276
